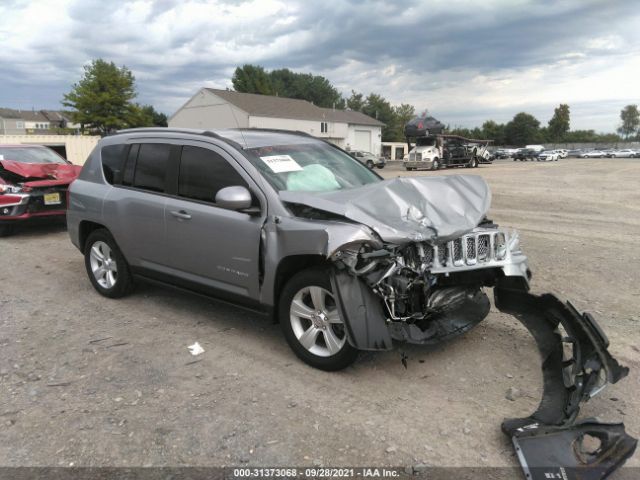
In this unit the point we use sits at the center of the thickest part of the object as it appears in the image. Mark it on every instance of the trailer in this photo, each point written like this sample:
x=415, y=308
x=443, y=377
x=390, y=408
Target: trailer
x=437, y=151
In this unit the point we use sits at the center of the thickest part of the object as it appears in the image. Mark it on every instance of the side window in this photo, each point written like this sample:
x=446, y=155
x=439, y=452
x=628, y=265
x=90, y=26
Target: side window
x=151, y=166
x=113, y=162
x=204, y=172
x=130, y=165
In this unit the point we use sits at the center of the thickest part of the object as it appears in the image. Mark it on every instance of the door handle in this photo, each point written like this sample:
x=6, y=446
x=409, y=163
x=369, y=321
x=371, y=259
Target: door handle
x=181, y=214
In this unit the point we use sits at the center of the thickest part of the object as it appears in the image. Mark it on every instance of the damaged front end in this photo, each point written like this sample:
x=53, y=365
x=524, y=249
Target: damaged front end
x=422, y=278
x=430, y=291
x=425, y=293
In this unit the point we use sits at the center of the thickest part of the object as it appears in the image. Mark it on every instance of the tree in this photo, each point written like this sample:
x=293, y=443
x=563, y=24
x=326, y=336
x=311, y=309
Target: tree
x=493, y=131
x=559, y=123
x=101, y=100
x=285, y=83
x=401, y=115
x=523, y=129
x=147, y=116
x=252, y=79
x=376, y=106
x=356, y=101
x=630, y=121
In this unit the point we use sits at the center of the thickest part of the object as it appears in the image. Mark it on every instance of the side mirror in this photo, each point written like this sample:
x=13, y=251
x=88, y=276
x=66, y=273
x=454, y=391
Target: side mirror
x=233, y=198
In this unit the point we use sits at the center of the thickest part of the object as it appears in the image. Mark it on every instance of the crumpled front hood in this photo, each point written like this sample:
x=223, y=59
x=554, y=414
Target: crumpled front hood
x=407, y=209
x=57, y=173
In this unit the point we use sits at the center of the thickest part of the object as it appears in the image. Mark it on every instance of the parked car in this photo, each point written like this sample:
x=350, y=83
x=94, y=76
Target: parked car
x=346, y=261
x=592, y=154
x=33, y=185
x=549, y=156
x=368, y=158
x=624, y=153
x=525, y=154
x=574, y=153
x=563, y=153
x=300, y=229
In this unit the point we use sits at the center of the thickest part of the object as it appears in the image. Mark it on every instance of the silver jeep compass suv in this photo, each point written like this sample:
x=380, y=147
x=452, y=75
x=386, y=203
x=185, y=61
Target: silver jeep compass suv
x=286, y=223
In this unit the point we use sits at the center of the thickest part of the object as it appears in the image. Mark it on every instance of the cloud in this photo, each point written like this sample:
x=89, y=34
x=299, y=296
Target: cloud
x=465, y=61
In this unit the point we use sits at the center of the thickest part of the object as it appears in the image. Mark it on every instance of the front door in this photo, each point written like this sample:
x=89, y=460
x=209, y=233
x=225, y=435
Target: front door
x=209, y=245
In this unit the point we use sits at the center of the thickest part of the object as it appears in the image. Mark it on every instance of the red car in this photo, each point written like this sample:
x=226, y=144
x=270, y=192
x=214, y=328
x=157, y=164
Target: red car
x=33, y=184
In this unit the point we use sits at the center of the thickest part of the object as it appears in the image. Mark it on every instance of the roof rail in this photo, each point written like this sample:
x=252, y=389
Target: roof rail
x=189, y=131
x=192, y=131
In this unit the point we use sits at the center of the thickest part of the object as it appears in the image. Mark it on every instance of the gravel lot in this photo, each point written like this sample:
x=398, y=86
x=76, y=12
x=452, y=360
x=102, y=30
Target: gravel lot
x=85, y=380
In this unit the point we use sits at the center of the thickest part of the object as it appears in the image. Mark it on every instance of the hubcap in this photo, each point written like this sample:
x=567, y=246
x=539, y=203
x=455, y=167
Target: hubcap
x=103, y=265
x=316, y=323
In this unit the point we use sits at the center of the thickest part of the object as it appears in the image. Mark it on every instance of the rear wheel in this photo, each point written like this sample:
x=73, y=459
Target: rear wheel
x=107, y=268
x=311, y=323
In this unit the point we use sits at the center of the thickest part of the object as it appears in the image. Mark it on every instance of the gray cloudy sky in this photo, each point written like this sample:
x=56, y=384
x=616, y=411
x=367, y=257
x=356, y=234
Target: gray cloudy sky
x=465, y=61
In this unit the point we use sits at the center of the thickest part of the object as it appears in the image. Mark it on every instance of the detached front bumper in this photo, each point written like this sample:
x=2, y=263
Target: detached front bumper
x=576, y=365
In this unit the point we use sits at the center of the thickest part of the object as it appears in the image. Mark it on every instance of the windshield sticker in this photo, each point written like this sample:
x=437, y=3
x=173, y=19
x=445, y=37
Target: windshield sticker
x=281, y=163
x=1, y=157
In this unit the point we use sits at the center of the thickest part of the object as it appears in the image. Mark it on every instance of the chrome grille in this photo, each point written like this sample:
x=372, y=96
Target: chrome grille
x=474, y=249
x=457, y=250
x=471, y=248
x=415, y=156
x=483, y=247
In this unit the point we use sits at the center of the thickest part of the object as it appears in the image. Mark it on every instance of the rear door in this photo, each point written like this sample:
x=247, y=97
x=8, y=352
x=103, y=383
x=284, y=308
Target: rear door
x=212, y=246
x=134, y=210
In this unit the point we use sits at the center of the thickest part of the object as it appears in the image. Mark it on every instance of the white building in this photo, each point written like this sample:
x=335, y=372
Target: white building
x=211, y=109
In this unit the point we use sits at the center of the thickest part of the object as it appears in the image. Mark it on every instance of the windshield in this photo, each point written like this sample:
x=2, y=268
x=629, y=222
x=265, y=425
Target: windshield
x=425, y=142
x=310, y=167
x=30, y=155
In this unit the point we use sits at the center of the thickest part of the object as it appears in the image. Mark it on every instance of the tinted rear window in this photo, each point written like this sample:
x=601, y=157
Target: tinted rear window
x=204, y=172
x=151, y=166
x=113, y=162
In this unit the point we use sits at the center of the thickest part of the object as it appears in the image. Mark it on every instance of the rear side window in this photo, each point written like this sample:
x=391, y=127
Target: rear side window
x=113, y=162
x=151, y=166
x=204, y=172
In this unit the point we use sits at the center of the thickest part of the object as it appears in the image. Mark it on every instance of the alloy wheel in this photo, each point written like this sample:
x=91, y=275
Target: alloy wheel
x=103, y=265
x=316, y=323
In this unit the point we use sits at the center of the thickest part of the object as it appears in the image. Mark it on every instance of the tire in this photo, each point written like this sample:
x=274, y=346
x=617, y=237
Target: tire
x=6, y=230
x=318, y=340
x=435, y=165
x=380, y=166
x=408, y=169
x=101, y=250
x=474, y=162
x=370, y=164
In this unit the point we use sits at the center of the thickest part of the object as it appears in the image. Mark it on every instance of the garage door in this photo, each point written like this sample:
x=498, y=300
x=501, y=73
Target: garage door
x=363, y=140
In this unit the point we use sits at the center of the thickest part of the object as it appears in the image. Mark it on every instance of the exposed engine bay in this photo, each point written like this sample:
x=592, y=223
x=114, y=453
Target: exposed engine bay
x=433, y=291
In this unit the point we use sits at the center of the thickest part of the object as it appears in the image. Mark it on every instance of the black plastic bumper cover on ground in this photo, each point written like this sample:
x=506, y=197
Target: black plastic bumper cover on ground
x=549, y=439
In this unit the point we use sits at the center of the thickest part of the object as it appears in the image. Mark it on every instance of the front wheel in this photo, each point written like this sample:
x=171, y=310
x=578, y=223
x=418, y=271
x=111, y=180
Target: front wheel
x=311, y=323
x=107, y=268
x=369, y=164
x=435, y=165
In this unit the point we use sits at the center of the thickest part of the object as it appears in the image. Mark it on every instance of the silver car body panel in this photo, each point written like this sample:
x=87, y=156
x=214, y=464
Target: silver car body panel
x=408, y=209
